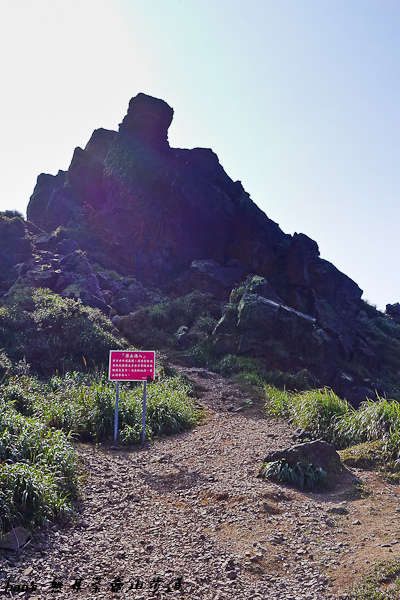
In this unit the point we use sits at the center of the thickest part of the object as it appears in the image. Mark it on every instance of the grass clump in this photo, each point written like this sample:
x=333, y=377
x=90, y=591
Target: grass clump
x=298, y=475
x=38, y=471
x=373, y=421
x=169, y=410
x=381, y=583
x=84, y=405
x=317, y=411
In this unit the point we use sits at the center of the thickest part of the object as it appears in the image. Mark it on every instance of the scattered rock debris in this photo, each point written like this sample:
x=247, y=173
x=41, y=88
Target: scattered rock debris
x=186, y=516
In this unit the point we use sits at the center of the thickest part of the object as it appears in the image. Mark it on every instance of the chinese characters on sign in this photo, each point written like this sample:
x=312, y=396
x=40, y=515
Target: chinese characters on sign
x=131, y=366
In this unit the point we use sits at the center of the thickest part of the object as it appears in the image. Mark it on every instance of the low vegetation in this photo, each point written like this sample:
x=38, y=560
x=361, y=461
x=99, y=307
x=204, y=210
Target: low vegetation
x=38, y=470
x=53, y=333
x=39, y=419
x=85, y=406
x=381, y=583
x=371, y=433
x=303, y=477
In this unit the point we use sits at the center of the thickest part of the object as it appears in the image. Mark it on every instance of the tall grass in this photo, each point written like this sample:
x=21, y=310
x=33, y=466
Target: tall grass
x=327, y=417
x=373, y=421
x=317, y=411
x=38, y=475
x=85, y=406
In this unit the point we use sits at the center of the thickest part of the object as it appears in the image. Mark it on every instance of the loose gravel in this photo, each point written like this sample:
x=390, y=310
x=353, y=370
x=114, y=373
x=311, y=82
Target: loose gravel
x=186, y=517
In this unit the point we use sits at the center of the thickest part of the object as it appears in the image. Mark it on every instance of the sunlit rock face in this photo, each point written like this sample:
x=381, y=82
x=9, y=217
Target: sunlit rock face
x=153, y=210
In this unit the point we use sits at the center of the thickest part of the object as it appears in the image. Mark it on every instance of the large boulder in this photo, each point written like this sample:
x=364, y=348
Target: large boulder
x=319, y=453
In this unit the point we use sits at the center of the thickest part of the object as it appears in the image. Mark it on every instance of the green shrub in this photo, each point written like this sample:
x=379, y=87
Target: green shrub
x=156, y=325
x=54, y=333
x=231, y=364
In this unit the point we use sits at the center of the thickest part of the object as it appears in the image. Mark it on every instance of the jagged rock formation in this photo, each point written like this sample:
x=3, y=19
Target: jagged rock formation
x=156, y=209
x=173, y=218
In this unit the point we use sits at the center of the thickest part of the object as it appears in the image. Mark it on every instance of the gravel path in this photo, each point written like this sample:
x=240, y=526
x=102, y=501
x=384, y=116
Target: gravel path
x=186, y=517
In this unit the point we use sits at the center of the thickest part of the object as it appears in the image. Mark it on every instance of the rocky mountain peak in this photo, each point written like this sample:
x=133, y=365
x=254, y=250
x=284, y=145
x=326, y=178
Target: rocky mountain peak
x=147, y=121
x=173, y=219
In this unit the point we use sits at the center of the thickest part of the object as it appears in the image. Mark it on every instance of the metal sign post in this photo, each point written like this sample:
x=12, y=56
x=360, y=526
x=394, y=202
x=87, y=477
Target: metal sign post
x=144, y=413
x=116, y=412
x=132, y=365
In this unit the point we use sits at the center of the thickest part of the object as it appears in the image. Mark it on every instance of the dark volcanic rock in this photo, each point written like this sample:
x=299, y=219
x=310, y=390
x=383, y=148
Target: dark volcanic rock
x=208, y=277
x=67, y=246
x=15, y=248
x=174, y=219
x=70, y=276
x=100, y=143
x=393, y=311
x=38, y=203
x=319, y=453
x=85, y=175
x=147, y=122
x=290, y=340
x=53, y=202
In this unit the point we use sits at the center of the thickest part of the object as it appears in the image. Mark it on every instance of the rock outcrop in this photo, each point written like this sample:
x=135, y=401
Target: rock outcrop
x=156, y=209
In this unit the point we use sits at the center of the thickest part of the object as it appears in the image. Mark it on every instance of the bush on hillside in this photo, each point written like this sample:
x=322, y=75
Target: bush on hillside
x=54, y=333
x=157, y=324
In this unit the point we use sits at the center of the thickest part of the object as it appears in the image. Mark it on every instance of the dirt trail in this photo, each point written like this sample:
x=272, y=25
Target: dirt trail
x=186, y=517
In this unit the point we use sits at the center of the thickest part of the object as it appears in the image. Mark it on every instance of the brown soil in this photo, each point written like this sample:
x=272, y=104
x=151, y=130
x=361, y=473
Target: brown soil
x=191, y=506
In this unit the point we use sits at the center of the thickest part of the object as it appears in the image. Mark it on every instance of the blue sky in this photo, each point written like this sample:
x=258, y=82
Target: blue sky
x=299, y=99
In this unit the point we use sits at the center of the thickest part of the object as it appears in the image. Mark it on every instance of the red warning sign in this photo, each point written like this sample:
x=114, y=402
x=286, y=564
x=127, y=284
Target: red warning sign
x=131, y=366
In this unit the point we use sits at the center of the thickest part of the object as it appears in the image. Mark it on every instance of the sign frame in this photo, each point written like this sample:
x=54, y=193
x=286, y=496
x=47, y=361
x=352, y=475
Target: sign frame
x=127, y=365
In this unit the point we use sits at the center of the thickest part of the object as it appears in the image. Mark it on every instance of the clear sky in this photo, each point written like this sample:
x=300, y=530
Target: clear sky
x=299, y=99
